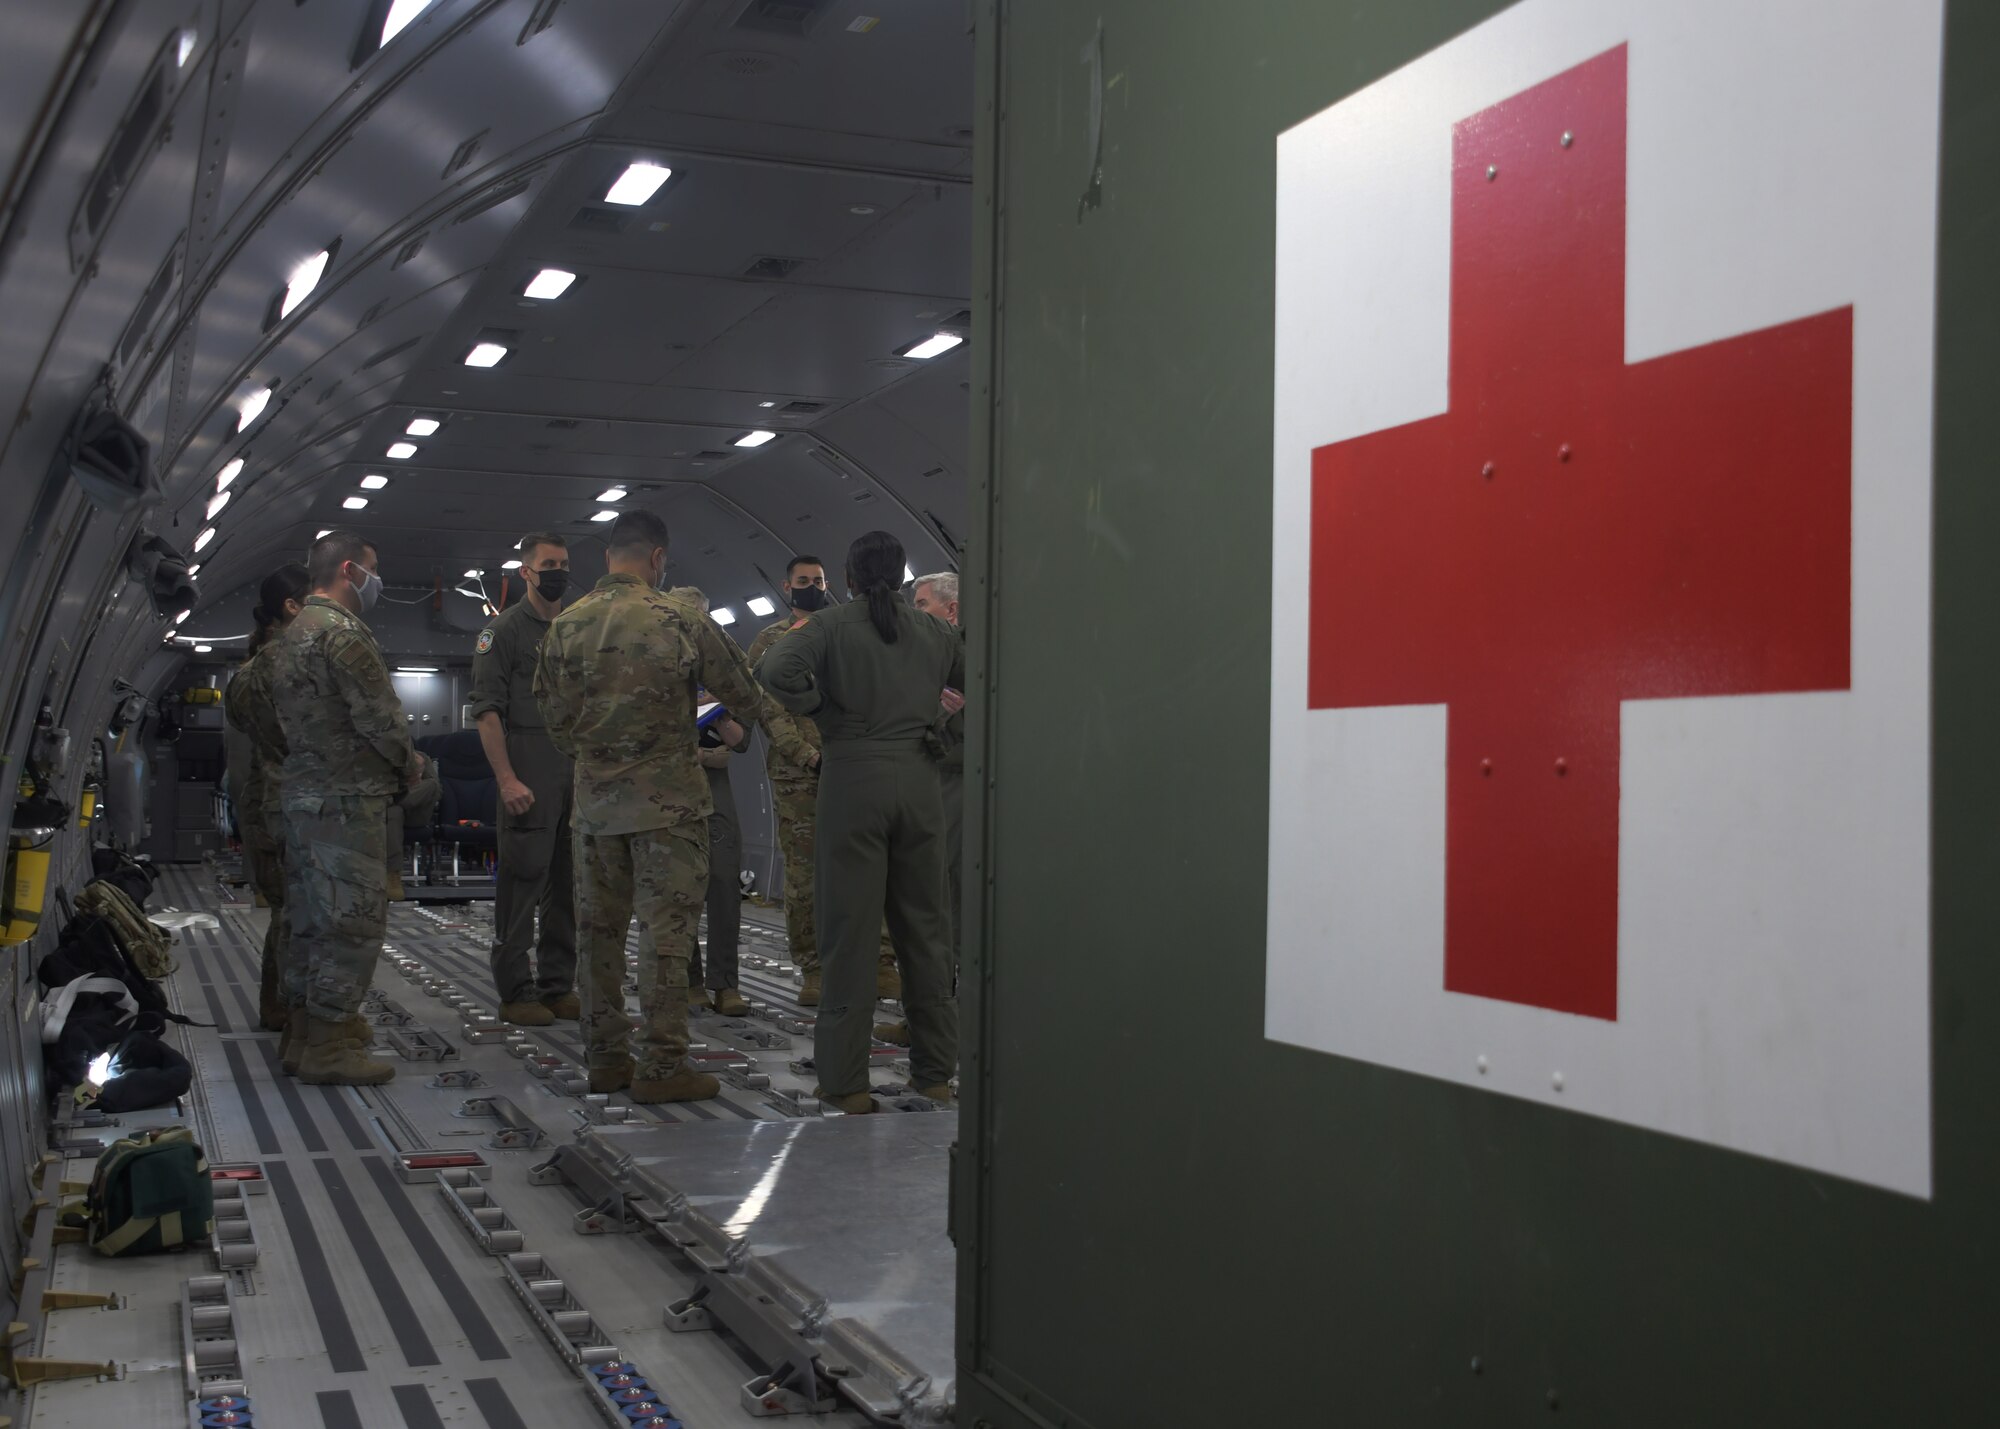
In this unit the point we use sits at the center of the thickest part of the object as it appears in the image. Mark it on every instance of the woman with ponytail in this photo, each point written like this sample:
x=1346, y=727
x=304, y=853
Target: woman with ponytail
x=869, y=674
x=251, y=711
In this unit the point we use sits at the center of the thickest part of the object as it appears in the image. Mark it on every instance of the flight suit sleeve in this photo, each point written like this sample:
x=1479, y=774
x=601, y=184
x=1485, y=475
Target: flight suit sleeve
x=792, y=668
x=371, y=700
x=725, y=674
x=551, y=693
x=493, y=657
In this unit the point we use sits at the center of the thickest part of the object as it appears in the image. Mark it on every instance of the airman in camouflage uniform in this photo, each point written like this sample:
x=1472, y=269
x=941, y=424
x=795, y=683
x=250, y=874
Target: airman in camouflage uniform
x=791, y=760
x=616, y=681
x=348, y=754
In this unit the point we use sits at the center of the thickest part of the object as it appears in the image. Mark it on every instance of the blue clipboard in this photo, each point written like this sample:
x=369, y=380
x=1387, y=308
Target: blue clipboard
x=706, y=715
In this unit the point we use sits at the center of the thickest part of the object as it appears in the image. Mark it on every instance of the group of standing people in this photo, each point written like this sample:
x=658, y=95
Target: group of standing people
x=610, y=806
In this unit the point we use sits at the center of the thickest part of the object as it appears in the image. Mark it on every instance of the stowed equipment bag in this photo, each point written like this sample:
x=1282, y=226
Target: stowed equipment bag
x=151, y=1192
x=144, y=941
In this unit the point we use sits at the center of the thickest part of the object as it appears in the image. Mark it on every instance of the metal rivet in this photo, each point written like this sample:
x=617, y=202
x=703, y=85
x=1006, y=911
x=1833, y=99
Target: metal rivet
x=1482, y=1064
x=1492, y=172
x=1568, y=138
x=1562, y=767
x=1475, y=1364
x=1487, y=471
x=1556, y=1081
x=1554, y=1401
x=1562, y=452
x=1486, y=767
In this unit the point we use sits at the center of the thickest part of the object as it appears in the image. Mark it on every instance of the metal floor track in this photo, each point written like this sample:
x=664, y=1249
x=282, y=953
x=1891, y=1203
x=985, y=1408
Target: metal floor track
x=347, y=1291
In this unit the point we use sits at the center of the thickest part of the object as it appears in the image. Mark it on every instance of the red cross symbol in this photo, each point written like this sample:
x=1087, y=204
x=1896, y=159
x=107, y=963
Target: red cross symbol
x=1574, y=532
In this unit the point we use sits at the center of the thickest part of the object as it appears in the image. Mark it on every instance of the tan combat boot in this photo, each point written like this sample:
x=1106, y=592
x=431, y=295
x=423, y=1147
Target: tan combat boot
x=888, y=982
x=698, y=997
x=395, y=885
x=334, y=1057
x=682, y=1086
x=566, y=1008
x=896, y=1034
x=611, y=1079
x=809, y=990
x=855, y=1104
x=940, y=1093
x=292, y=1045
x=729, y=1002
x=527, y=1014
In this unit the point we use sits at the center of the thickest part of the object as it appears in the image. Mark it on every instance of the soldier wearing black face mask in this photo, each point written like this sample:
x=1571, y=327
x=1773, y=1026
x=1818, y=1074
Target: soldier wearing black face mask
x=536, y=871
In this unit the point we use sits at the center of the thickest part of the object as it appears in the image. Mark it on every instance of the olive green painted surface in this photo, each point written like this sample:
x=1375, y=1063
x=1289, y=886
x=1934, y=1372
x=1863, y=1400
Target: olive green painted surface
x=1163, y=1218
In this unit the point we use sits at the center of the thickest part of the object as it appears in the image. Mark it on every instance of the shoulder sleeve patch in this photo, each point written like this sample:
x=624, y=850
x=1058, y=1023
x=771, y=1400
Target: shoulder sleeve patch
x=485, y=642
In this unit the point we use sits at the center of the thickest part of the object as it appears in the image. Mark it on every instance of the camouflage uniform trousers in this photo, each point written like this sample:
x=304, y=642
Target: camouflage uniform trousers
x=798, y=816
x=661, y=875
x=336, y=895
x=264, y=853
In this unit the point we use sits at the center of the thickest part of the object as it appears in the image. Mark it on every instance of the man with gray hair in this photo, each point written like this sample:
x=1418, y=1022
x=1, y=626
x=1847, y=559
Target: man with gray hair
x=937, y=595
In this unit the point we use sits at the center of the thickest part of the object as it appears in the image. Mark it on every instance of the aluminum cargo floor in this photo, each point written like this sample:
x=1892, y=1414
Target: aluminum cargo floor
x=366, y=1299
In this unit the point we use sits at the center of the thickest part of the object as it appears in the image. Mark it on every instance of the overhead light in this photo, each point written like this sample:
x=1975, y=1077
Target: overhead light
x=230, y=471
x=486, y=354
x=207, y=535
x=474, y=575
x=767, y=404
x=638, y=183
x=182, y=616
x=324, y=534
x=605, y=516
x=616, y=493
x=401, y=12
x=374, y=483
x=723, y=615
x=550, y=282
x=423, y=426
x=908, y=575
x=304, y=279
x=416, y=669
x=252, y=407
x=932, y=346
x=203, y=649
x=756, y=439
x=355, y=503
x=399, y=450
x=759, y=605
x=183, y=49
x=510, y=565
x=194, y=570
x=216, y=503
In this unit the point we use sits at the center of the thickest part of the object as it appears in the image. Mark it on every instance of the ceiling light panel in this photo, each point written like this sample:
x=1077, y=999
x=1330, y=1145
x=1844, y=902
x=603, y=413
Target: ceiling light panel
x=355, y=503
x=932, y=346
x=251, y=407
x=401, y=13
x=423, y=426
x=605, y=516
x=230, y=471
x=637, y=184
x=398, y=451
x=616, y=493
x=486, y=354
x=756, y=439
x=304, y=279
x=723, y=615
x=549, y=283
x=207, y=535
x=216, y=503
x=374, y=483
x=510, y=565
x=760, y=606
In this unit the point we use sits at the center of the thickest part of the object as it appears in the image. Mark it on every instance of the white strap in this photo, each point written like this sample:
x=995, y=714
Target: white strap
x=55, y=1011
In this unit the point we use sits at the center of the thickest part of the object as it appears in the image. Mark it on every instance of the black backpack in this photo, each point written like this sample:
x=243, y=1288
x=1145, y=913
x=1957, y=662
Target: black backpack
x=135, y=876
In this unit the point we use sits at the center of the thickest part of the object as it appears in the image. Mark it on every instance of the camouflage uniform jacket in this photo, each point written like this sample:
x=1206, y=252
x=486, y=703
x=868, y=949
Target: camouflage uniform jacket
x=791, y=739
x=251, y=711
x=616, y=681
x=344, y=727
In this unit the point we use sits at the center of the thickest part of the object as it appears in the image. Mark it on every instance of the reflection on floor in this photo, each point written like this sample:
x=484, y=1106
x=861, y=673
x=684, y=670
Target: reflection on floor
x=366, y=1279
